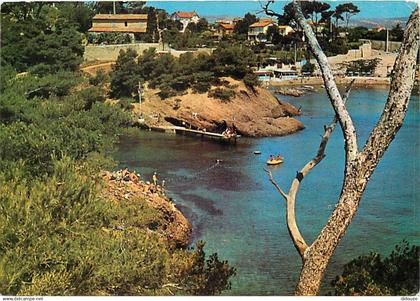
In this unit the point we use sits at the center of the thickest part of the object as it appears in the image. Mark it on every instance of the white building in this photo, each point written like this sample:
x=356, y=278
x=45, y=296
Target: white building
x=185, y=18
x=284, y=30
x=259, y=29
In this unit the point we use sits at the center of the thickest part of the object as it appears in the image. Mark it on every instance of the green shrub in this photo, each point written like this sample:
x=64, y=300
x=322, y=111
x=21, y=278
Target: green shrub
x=125, y=75
x=90, y=96
x=201, y=87
x=308, y=68
x=99, y=79
x=394, y=275
x=222, y=93
x=166, y=92
x=125, y=104
x=251, y=80
x=7, y=73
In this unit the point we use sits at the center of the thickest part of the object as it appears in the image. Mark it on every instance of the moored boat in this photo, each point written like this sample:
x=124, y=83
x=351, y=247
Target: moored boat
x=275, y=161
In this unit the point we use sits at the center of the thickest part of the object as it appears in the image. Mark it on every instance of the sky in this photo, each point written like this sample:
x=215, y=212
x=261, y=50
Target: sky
x=368, y=9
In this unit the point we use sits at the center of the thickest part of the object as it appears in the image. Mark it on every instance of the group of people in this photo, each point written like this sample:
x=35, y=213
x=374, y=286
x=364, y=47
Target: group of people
x=229, y=132
x=275, y=158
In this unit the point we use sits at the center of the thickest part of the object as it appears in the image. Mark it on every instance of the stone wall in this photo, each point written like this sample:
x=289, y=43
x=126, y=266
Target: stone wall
x=381, y=45
x=110, y=52
x=364, y=51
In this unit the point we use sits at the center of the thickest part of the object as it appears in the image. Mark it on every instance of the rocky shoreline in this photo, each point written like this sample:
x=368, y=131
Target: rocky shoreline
x=124, y=185
x=253, y=112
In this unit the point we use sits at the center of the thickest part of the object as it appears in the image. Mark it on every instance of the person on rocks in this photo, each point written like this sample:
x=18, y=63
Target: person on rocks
x=154, y=178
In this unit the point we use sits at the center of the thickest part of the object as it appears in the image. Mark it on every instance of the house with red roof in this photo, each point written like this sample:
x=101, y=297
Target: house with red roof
x=259, y=29
x=185, y=18
x=224, y=28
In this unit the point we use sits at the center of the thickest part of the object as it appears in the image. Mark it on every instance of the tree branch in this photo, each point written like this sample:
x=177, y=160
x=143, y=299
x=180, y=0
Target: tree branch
x=297, y=238
x=268, y=11
x=337, y=102
x=270, y=176
x=321, y=150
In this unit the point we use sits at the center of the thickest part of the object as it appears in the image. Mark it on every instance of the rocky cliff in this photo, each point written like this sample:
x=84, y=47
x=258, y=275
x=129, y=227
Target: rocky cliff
x=254, y=113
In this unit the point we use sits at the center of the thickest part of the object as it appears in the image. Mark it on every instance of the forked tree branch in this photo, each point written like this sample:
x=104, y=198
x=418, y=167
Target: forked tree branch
x=290, y=197
x=321, y=150
x=281, y=191
x=337, y=102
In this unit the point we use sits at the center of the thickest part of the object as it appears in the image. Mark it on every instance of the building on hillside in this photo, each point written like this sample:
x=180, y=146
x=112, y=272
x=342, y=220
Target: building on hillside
x=185, y=18
x=284, y=30
x=119, y=23
x=224, y=28
x=258, y=30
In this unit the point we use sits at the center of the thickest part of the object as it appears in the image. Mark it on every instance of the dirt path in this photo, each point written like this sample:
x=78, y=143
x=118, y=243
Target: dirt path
x=93, y=69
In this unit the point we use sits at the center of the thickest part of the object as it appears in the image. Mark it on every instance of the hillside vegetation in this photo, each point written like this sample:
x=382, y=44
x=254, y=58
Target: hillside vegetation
x=59, y=233
x=173, y=76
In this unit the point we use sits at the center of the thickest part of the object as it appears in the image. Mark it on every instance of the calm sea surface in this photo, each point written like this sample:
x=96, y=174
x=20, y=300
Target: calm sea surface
x=235, y=209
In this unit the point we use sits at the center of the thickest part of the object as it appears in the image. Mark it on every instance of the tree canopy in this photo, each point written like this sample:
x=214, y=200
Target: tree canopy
x=173, y=76
x=44, y=44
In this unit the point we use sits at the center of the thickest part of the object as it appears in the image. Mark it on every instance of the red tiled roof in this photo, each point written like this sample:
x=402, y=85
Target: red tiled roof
x=120, y=17
x=185, y=14
x=117, y=29
x=263, y=23
x=227, y=26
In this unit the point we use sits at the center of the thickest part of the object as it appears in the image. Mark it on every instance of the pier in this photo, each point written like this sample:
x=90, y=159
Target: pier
x=183, y=130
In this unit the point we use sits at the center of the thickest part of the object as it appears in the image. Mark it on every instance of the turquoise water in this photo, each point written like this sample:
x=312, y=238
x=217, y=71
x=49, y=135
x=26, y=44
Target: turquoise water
x=235, y=209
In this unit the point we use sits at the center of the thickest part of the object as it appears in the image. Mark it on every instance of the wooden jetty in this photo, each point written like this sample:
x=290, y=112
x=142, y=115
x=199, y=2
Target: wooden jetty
x=184, y=130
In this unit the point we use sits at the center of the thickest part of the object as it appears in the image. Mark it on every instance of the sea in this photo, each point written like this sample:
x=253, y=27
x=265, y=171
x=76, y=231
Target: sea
x=225, y=192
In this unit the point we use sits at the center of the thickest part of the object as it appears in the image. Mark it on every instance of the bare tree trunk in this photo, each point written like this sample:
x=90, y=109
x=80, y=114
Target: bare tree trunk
x=317, y=256
x=359, y=166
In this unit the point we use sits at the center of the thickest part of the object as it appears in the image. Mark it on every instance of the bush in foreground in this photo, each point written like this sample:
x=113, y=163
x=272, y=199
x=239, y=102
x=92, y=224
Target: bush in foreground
x=394, y=275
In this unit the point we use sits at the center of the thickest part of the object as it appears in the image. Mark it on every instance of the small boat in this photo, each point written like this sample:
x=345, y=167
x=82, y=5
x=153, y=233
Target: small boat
x=257, y=152
x=275, y=161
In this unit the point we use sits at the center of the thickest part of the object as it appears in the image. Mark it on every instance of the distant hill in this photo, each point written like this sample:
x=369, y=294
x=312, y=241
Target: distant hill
x=375, y=22
x=369, y=23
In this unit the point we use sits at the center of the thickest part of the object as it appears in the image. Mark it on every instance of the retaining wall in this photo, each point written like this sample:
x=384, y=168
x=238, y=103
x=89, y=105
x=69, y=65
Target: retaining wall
x=111, y=52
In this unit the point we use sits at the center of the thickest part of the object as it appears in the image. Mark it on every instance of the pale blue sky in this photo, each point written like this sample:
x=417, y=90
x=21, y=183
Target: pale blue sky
x=369, y=9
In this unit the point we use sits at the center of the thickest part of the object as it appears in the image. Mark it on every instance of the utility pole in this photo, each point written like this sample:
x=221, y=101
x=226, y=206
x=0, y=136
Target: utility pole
x=295, y=54
x=387, y=41
x=141, y=118
x=113, y=7
x=139, y=92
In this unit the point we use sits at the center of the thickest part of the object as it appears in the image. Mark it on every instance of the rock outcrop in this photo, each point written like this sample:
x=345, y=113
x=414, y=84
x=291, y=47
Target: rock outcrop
x=289, y=92
x=126, y=185
x=255, y=113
